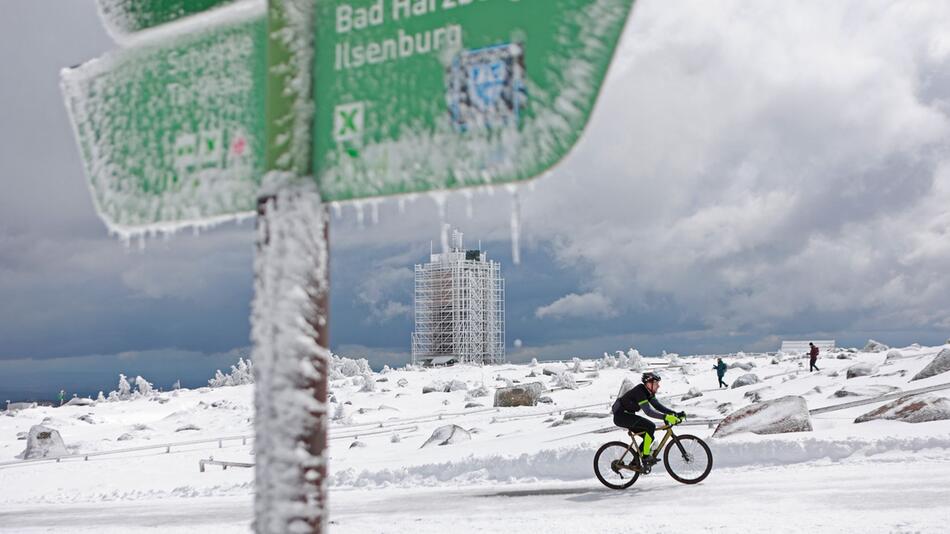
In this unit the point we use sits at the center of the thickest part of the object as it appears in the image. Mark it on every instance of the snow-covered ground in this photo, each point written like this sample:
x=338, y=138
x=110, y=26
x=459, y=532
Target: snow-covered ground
x=522, y=467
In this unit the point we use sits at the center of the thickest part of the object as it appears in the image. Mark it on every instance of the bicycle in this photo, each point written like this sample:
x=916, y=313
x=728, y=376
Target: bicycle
x=687, y=459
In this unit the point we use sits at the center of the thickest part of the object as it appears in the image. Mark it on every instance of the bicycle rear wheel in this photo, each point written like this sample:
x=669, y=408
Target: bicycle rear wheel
x=611, y=465
x=688, y=459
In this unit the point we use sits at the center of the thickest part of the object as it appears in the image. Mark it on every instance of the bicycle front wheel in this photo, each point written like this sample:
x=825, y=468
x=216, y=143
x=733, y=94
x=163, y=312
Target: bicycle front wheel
x=612, y=465
x=688, y=459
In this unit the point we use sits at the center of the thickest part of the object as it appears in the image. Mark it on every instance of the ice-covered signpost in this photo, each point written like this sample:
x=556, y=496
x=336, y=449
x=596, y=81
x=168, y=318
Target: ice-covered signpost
x=217, y=109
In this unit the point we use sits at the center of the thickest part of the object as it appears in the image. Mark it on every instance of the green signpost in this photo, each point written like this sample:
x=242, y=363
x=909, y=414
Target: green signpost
x=419, y=95
x=279, y=106
x=129, y=16
x=171, y=131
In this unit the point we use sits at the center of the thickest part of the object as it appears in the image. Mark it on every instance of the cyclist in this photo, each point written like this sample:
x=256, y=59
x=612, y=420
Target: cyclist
x=643, y=396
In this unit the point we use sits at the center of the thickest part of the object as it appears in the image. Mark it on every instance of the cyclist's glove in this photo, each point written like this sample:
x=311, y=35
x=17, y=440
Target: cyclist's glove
x=671, y=419
x=681, y=415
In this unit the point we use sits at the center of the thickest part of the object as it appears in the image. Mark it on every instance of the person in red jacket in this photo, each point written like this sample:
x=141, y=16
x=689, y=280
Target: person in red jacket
x=813, y=356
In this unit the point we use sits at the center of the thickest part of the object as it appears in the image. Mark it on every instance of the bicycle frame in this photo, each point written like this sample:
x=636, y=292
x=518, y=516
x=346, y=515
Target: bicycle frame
x=634, y=446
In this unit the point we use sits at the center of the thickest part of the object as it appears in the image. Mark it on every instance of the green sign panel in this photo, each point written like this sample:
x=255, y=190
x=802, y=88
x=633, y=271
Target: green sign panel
x=415, y=95
x=171, y=131
x=129, y=16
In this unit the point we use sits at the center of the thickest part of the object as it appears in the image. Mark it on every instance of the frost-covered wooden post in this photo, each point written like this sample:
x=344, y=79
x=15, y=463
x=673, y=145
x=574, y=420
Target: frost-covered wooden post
x=289, y=317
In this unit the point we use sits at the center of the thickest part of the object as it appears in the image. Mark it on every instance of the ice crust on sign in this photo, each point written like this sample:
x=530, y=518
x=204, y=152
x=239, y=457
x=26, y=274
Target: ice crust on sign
x=421, y=158
x=169, y=127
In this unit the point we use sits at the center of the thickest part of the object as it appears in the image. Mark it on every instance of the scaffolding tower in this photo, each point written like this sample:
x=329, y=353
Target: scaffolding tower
x=459, y=305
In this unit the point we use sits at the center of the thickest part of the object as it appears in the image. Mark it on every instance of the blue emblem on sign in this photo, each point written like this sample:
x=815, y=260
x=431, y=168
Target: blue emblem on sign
x=485, y=87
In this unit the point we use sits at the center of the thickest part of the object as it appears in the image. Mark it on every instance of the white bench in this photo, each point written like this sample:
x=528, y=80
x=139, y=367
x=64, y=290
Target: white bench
x=795, y=347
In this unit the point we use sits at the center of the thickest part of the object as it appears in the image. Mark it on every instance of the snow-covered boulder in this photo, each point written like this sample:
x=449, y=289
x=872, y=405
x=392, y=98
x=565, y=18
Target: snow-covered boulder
x=125, y=437
x=874, y=346
x=911, y=409
x=447, y=435
x=553, y=370
x=402, y=382
x=473, y=405
x=757, y=395
x=457, y=385
x=874, y=390
x=625, y=387
x=520, y=395
x=43, y=442
x=940, y=364
x=357, y=444
x=434, y=387
x=746, y=380
x=544, y=399
x=692, y=393
x=861, y=369
x=187, y=427
x=785, y=414
x=80, y=401
x=17, y=406
x=21, y=435
x=480, y=391
x=893, y=355
x=745, y=366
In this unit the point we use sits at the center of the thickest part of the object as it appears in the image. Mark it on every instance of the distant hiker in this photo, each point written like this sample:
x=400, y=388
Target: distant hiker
x=720, y=372
x=62, y=396
x=813, y=357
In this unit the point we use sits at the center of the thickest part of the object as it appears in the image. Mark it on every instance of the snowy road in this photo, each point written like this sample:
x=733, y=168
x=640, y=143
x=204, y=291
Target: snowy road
x=886, y=495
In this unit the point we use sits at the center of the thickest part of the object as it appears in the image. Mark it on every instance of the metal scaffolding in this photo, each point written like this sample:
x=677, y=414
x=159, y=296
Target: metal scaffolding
x=459, y=307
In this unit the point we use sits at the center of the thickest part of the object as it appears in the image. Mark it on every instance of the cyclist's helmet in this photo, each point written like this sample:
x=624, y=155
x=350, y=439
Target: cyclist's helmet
x=649, y=377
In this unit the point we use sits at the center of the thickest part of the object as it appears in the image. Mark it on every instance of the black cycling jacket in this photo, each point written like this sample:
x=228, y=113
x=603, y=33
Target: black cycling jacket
x=640, y=398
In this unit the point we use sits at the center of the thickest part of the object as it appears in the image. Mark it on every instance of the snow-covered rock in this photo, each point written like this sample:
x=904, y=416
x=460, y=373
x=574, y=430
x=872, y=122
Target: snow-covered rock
x=911, y=409
x=757, y=395
x=80, y=401
x=187, y=427
x=861, y=369
x=940, y=364
x=874, y=390
x=480, y=391
x=553, y=370
x=402, y=382
x=434, y=387
x=874, y=346
x=473, y=405
x=125, y=437
x=17, y=406
x=43, y=442
x=447, y=435
x=745, y=366
x=893, y=355
x=357, y=444
x=457, y=385
x=746, y=380
x=692, y=393
x=520, y=395
x=785, y=414
x=21, y=435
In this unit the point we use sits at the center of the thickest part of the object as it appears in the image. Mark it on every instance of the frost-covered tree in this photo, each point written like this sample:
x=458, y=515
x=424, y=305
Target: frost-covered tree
x=242, y=373
x=534, y=362
x=177, y=384
x=101, y=397
x=144, y=387
x=578, y=366
x=634, y=360
x=124, y=390
x=621, y=360
x=565, y=380
x=369, y=382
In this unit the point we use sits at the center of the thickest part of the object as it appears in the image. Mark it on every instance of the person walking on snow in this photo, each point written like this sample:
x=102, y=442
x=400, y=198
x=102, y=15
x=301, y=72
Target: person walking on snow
x=643, y=396
x=813, y=357
x=720, y=372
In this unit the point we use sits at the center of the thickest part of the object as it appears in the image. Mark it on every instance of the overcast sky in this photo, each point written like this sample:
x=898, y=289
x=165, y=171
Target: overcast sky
x=753, y=171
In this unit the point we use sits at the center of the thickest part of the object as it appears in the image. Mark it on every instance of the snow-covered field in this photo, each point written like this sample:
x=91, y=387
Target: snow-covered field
x=522, y=467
